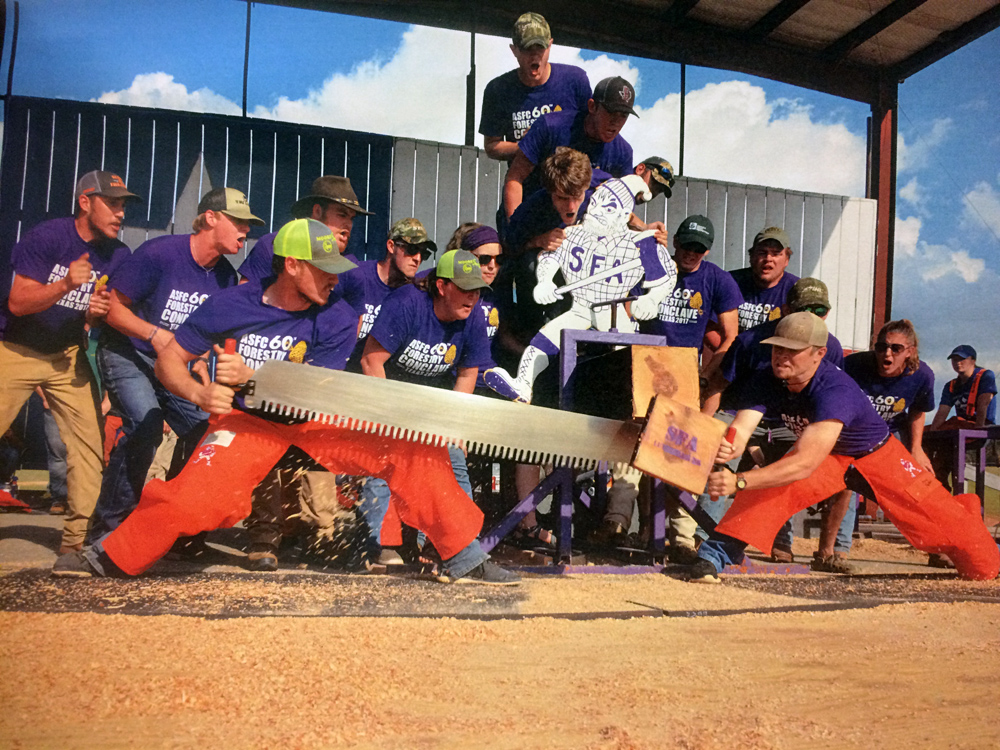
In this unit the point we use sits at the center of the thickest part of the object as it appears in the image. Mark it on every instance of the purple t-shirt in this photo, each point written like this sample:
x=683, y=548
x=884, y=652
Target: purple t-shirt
x=684, y=314
x=336, y=334
x=423, y=349
x=165, y=285
x=510, y=107
x=44, y=255
x=957, y=394
x=893, y=398
x=535, y=216
x=257, y=265
x=747, y=356
x=566, y=129
x=487, y=307
x=760, y=305
x=831, y=394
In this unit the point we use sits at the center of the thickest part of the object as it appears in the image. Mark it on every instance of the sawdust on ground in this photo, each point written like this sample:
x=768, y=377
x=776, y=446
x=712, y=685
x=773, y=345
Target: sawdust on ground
x=915, y=675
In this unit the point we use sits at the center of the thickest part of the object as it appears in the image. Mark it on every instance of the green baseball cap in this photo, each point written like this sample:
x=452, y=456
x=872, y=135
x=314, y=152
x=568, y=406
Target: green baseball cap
x=412, y=232
x=772, y=233
x=462, y=267
x=531, y=30
x=231, y=202
x=799, y=331
x=808, y=292
x=696, y=228
x=313, y=242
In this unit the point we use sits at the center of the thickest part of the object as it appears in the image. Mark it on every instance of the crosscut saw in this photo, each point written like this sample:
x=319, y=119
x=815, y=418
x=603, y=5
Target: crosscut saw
x=487, y=426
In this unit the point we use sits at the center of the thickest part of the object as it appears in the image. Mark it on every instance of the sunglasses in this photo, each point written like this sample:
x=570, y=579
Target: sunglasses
x=817, y=310
x=882, y=347
x=409, y=249
x=484, y=260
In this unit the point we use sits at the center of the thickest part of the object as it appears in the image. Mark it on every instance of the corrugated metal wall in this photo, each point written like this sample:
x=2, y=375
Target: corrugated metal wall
x=172, y=158
x=833, y=237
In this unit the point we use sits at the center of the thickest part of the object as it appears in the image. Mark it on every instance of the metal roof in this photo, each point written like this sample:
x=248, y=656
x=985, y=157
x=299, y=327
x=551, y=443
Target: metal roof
x=843, y=47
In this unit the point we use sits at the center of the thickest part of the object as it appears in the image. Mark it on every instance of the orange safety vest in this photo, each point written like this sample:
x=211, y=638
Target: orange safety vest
x=970, y=404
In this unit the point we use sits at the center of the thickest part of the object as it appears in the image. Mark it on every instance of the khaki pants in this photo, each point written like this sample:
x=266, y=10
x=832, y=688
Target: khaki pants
x=68, y=384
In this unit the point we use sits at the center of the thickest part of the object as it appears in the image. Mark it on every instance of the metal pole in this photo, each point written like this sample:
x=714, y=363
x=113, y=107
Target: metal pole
x=470, y=96
x=246, y=61
x=680, y=158
x=13, y=49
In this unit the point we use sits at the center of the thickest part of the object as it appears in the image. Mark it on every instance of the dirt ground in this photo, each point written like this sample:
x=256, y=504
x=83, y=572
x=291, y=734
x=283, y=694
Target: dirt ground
x=754, y=663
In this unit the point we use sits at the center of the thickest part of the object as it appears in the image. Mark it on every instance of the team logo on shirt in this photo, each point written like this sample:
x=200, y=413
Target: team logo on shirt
x=525, y=118
x=494, y=317
x=78, y=299
x=257, y=348
x=179, y=305
x=424, y=359
x=682, y=306
x=888, y=406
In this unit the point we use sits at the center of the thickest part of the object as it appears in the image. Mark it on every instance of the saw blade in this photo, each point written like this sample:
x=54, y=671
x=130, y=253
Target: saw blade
x=486, y=426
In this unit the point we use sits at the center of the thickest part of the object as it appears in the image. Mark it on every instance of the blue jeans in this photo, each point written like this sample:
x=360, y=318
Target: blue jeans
x=55, y=450
x=374, y=503
x=143, y=404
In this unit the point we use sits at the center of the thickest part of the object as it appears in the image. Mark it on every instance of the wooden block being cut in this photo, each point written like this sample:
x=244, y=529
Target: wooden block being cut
x=670, y=371
x=678, y=445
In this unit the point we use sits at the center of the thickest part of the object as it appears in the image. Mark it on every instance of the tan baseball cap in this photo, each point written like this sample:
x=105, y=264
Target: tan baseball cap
x=799, y=331
x=231, y=202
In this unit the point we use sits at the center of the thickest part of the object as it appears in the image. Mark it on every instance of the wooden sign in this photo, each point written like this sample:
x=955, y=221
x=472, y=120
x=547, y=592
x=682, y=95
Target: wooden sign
x=678, y=445
x=670, y=371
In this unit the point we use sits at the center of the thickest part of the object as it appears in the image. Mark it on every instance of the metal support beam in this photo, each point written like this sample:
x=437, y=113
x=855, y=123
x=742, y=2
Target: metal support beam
x=246, y=61
x=872, y=27
x=470, y=95
x=883, y=188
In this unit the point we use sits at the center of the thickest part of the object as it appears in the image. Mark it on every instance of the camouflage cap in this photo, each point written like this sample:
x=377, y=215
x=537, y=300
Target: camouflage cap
x=531, y=30
x=772, y=233
x=808, y=292
x=663, y=174
x=412, y=232
x=462, y=268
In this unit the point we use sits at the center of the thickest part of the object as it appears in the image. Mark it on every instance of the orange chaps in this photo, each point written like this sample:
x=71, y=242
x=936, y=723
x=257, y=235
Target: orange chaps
x=239, y=450
x=932, y=519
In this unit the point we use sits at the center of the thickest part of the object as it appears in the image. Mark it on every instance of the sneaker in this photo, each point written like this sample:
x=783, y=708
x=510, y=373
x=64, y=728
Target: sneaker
x=263, y=557
x=781, y=554
x=486, y=573
x=73, y=565
x=831, y=564
x=500, y=381
x=703, y=571
x=58, y=508
x=682, y=554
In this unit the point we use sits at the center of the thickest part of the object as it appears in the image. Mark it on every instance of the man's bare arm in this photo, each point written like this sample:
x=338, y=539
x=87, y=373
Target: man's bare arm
x=214, y=397
x=121, y=317
x=941, y=417
x=513, y=187
x=499, y=149
x=28, y=296
x=374, y=358
x=982, y=404
x=466, y=380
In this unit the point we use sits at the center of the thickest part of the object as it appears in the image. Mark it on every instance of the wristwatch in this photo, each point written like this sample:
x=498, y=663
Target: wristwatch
x=741, y=482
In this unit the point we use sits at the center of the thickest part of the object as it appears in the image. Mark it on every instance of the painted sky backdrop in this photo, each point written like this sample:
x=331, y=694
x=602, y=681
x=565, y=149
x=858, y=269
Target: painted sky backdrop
x=377, y=76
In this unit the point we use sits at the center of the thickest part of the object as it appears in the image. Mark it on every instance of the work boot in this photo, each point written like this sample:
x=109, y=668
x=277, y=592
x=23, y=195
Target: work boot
x=263, y=557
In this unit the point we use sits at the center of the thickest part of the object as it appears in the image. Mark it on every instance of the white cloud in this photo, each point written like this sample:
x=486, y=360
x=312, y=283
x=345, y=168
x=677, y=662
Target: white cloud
x=914, y=194
x=907, y=235
x=733, y=132
x=917, y=155
x=982, y=207
x=162, y=91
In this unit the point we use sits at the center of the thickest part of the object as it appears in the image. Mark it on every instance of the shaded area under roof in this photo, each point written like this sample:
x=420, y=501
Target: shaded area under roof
x=847, y=48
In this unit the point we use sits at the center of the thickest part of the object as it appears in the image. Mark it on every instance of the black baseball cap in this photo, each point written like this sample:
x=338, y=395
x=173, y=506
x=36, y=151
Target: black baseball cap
x=615, y=94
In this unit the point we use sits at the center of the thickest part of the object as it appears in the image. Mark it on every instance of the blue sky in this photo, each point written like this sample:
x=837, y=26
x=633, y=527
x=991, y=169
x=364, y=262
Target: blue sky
x=321, y=68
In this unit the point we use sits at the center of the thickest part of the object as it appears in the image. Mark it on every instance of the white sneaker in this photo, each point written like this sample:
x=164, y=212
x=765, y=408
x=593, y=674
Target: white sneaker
x=500, y=381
